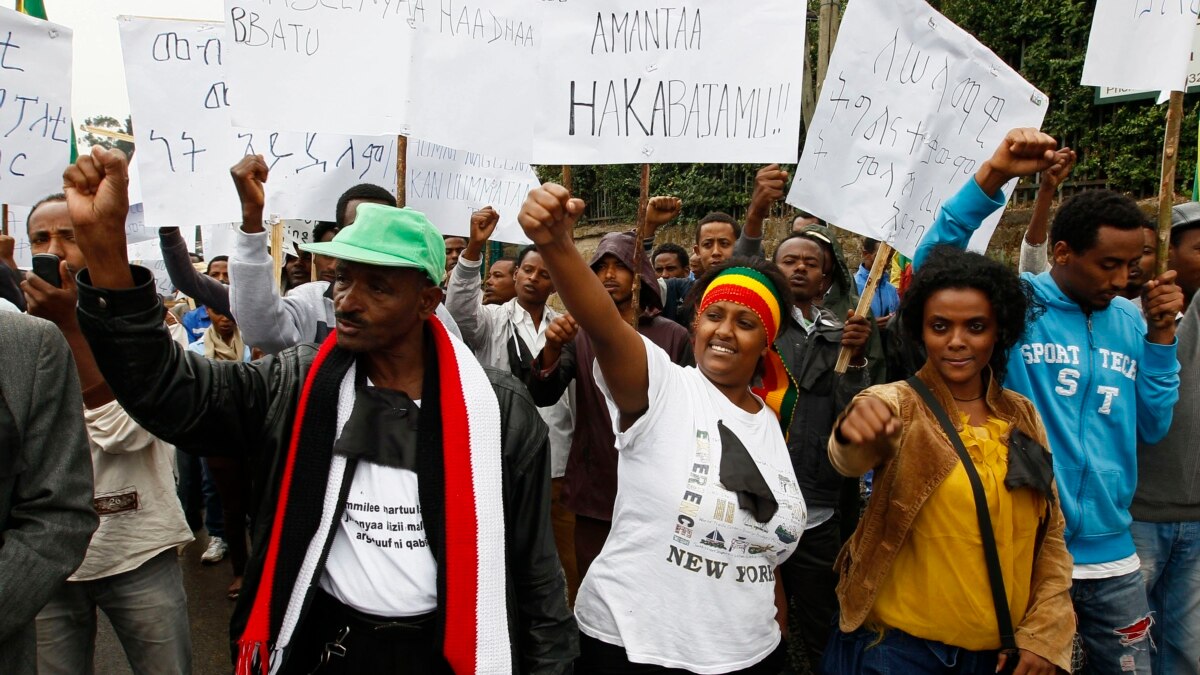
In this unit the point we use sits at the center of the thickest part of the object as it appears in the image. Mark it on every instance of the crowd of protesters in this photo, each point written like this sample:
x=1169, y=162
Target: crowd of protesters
x=416, y=464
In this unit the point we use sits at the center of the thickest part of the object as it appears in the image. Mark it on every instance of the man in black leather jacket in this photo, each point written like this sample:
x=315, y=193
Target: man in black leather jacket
x=250, y=410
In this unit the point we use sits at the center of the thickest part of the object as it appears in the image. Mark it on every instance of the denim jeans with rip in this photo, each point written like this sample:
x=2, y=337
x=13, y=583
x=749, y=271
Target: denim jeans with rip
x=1170, y=554
x=1114, y=624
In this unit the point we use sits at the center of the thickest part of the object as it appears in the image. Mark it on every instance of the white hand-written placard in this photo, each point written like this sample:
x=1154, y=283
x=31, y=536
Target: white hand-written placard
x=148, y=254
x=35, y=107
x=17, y=218
x=296, y=232
x=18, y=221
x=135, y=225
x=472, y=79
x=448, y=185
x=912, y=105
x=187, y=144
x=332, y=66
x=1140, y=44
x=635, y=81
x=218, y=239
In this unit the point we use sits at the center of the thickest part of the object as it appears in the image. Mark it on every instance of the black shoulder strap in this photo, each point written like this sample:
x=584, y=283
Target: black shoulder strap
x=999, y=595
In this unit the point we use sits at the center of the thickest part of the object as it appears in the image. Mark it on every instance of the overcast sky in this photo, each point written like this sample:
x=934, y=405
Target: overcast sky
x=99, y=75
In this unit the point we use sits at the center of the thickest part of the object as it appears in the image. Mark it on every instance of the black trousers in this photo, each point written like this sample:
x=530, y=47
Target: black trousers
x=597, y=657
x=810, y=584
x=363, y=643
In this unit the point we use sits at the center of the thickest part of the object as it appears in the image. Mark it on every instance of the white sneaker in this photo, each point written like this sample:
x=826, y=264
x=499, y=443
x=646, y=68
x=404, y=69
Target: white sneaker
x=217, y=548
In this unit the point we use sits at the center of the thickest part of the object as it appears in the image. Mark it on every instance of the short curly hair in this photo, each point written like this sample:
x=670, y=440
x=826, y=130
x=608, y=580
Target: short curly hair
x=718, y=217
x=324, y=227
x=1079, y=219
x=1011, y=297
x=681, y=254
x=366, y=192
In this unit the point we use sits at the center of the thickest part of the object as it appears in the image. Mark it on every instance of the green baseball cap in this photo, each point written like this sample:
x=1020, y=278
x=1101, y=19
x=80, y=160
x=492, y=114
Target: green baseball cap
x=388, y=237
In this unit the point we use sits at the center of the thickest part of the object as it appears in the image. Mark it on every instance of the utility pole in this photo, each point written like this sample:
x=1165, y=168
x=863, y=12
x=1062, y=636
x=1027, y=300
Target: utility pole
x=829, y=19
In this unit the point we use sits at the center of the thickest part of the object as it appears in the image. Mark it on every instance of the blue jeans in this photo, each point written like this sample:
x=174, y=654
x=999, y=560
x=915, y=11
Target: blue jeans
x=1114, y=624
x=864, y=653
x=1170, y=554
x=147, y=607
x=214, y=517
x=197, y=492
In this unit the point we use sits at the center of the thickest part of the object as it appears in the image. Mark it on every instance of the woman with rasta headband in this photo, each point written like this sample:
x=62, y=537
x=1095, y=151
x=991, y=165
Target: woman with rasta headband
x=707, y=502
x=954, y=568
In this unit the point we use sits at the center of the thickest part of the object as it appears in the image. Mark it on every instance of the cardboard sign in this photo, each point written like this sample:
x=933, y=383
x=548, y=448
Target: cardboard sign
x=319, y=65
x=18, y=216
x=35, y=107
x=1140, y=44
x=911, y=107
x=472, y=83
x=186, y=143
x=148, y=254
x=448, y=185
x=634, y=81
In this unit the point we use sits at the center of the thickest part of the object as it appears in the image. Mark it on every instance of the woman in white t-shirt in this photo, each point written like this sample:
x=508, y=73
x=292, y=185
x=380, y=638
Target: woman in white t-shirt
x=707, y=502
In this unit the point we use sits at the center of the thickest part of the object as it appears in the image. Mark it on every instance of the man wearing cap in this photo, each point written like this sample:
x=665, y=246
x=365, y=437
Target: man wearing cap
x=590, y=481
x=1166, y=505
x=380, y=459
x=269, y=321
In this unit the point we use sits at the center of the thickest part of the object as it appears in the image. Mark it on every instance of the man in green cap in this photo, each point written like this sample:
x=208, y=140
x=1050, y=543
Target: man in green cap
x=380, y=459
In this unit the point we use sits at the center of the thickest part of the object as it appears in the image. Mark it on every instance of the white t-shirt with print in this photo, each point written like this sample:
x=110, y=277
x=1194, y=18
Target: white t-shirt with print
x=380, y=562
x=686, y=578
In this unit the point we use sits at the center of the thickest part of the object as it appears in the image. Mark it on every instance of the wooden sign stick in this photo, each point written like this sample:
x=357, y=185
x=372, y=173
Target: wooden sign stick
x=4, y=220
x=1166, y=187
x=639, y=235
x=882, y=258
x=401, y=169
x=567, y=179
x=107, y=133
x=277, y=257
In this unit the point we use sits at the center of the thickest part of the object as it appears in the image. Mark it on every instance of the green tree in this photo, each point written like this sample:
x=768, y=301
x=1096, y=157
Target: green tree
x=1046, y=40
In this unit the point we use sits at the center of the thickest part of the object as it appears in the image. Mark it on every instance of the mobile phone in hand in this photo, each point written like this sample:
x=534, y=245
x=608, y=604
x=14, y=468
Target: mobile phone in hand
x=45, y=265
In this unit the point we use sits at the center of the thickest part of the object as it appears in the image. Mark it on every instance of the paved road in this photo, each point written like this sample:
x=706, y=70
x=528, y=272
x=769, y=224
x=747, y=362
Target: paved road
x=208, y=610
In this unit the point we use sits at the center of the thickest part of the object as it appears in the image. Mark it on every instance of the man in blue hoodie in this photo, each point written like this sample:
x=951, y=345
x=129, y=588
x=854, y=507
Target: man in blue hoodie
x=1101, y=377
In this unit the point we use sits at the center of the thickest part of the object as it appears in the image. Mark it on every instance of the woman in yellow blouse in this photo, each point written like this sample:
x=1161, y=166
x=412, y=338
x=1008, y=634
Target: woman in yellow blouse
x=914, y=593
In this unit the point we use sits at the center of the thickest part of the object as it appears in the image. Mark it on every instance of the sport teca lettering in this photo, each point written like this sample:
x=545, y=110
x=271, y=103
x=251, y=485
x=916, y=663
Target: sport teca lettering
x=755, y=574
x=1068, y=382
x=1119, y=362
x=1068, y=385
x=696, y=563
x=1109, y=393
x=1049, y=352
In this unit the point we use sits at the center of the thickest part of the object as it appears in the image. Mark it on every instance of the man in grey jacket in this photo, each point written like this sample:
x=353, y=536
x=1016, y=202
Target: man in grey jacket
x=1166, y=505
x=46, y=515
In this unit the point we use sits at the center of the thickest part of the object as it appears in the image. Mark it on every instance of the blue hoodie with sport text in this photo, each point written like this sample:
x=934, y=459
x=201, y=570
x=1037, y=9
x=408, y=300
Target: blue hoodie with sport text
x=1097, y=383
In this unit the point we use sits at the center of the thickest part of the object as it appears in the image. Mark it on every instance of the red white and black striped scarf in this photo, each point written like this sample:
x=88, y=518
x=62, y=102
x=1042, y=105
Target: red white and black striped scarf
x=460, y=486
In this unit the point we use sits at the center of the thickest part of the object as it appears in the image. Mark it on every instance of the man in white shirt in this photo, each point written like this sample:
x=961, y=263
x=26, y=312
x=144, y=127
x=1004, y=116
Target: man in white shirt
x=131, y=570
x=510, y=335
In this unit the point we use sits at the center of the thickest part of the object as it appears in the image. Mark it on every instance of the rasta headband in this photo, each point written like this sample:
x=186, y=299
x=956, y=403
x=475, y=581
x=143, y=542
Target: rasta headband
x=753, y=290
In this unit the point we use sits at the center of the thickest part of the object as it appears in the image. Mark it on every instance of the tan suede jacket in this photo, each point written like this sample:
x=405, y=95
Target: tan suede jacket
x=906, y=474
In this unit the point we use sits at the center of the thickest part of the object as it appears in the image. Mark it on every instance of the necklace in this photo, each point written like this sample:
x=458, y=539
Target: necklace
x=967, y=400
